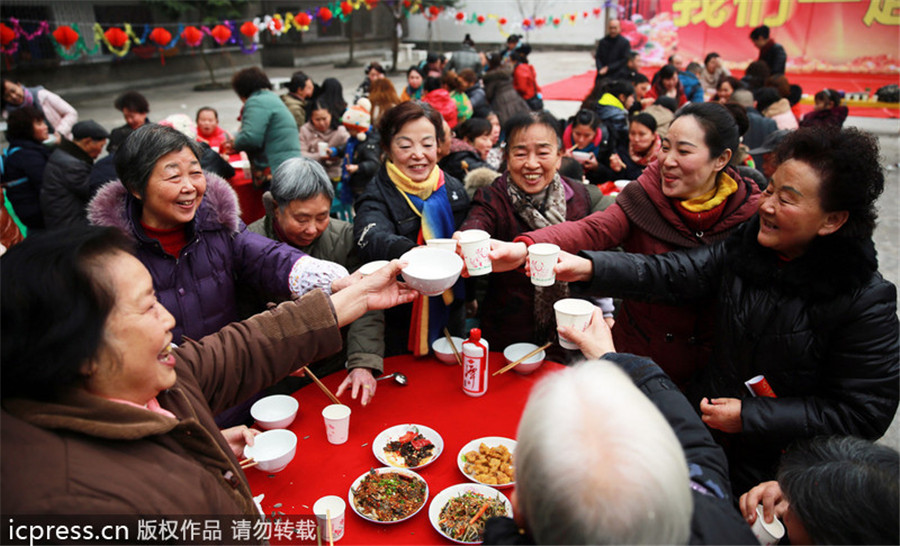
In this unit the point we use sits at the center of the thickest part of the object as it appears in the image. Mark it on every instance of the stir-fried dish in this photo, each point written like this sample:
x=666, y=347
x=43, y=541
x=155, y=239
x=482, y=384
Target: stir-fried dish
x=410, y=450
x=490, y=465
x=463, y=517
x=391, y=496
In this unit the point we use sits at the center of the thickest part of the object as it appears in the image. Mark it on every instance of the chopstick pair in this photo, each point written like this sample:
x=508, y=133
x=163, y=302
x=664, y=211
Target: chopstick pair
x=512, y=365
x=452, y=346
x=321, y=385
x=249, y=462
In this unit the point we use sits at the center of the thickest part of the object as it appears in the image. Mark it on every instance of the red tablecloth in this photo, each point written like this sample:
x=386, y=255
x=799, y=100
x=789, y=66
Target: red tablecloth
x=433, y=398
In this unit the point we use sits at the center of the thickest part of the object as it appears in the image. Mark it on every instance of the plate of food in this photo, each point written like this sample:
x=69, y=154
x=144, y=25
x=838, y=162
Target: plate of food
x=388, y=495
x=488, y=461
x=408, y=446
x=460, y=511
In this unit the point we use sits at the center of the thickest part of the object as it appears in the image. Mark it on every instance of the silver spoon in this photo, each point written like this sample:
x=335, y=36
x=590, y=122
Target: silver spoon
x=398, y=378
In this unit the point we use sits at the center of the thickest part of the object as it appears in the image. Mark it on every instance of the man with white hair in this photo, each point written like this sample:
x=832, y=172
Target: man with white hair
x=606, y=457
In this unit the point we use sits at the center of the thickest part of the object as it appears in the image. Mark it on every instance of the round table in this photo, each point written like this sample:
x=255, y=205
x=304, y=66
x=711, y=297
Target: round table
x=433, y=398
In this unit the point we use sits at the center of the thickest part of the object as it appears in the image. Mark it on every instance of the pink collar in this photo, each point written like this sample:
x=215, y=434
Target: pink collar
x=152, y=405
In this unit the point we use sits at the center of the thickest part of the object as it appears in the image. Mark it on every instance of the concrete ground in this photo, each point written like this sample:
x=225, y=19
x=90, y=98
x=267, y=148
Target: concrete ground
x=550, y=66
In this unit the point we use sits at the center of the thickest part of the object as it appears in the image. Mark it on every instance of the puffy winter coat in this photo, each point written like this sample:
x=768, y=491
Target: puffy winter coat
x=480, y=106
x=441, y=100
x=268, y=132
x=310, y=137
x=462, y=159
x=503, y=97
x=822, y=329
x=23, y=176
x=367, y=156
x=525, y=80
x=644, y=221
x=66, y=190
x=198, y=287
x=296, y=106
x=89, y=455
x=60, y=115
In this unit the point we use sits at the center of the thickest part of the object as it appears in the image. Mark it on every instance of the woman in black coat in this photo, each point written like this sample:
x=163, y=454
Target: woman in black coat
x=800, y=299
x=24, y=162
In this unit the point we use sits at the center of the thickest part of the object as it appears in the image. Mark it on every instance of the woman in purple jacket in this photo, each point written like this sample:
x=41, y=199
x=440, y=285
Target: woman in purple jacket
x=189, y=235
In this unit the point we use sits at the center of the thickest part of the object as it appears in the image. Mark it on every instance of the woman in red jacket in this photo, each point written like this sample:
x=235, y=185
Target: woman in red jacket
x=689, y=197
x=666, y=84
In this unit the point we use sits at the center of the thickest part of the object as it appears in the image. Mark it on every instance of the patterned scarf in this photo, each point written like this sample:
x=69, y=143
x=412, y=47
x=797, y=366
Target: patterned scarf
x=538, y=211
x=428, y=200
x=644, y=158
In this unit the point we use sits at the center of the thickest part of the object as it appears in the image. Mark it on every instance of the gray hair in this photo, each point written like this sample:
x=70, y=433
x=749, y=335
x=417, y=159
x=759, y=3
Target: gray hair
x=624, y=480
x=137, y=156
x=300, y=179
x=844, y=490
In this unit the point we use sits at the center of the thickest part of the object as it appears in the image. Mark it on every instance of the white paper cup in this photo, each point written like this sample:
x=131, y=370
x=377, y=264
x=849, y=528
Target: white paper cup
x=334, y=505
x=475, y=245
x=574, y=313
x=337, y=423
x=767, y=533
x=323, y=149
x=542, y=258
x=443, y=244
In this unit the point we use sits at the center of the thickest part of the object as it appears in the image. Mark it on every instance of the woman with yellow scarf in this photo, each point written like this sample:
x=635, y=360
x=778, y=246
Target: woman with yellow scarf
x=409, y=201
x=688, y=197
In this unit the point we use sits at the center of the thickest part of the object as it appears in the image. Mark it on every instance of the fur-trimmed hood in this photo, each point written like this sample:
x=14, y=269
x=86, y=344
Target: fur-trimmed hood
x=114, y=206
x=832, y=265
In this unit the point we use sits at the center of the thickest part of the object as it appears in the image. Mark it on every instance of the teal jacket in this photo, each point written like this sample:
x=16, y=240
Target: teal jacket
x=268, y=132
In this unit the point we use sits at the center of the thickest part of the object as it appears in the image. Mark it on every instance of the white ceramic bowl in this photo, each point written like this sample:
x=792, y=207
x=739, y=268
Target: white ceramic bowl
x=581, y=157
x=372, y=267
x=443, y=352
x=620, y=184
x=276, y=411
x=518, y=350
x=273, y=450
x=431, y=270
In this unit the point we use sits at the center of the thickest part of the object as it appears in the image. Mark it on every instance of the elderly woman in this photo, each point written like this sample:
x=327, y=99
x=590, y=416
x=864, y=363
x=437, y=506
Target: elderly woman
x=688, y=198
x=409, y=201
x=529, y=195
x=268, y=132
x=800, y=301
x=297, y=210
x=102, y=416
x=59, y=114
x=24, y=162
x=189, y=235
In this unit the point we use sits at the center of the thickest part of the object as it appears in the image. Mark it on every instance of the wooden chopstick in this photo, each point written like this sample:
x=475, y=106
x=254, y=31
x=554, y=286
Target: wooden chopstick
x=247, y=463
x=321, y=385
x=328, y=525
x=512, y=365
x=452, y=346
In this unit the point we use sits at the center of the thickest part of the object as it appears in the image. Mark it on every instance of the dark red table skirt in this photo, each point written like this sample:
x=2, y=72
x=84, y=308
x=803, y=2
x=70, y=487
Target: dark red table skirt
x=433, y=398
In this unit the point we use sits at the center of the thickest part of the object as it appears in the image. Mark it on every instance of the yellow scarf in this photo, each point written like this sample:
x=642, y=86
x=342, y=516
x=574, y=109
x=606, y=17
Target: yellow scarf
x=725, y=186
x=422, y=190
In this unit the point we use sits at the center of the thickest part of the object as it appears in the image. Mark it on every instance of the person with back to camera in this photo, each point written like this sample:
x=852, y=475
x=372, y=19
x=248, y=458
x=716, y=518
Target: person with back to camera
x=475, y=91
x=114, y=420
x=134, y=107
x=770, y=51
x=505, y=101
x=24, y=162
x=409, y=201
x=531, y=194
x=59, y=115
x=760, y=125
x=639, y=467
x=800, y=301
x=525, y=79
x=774, y=106
x=833, y=490
x=687, y=198
x=466, y=58
x=297, y=210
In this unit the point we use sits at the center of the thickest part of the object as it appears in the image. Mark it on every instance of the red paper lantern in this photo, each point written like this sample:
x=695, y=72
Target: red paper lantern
x=540, y=21
x=192, y=36
x=597, y=12
x=480, y=19
x=161, y=36
x=116, y=37
x=248, y=29
x=371, y=3
x=572, y=17
x=325, y=14
x=526, y=22
x=221, y=34
x=7, y=35
x=556, y=21
x=585, y=15
x=502, y=20
x=434, y=10
x=65, y=36
x=460, y=16
x=277, y=24
x=407, y=4
x=303, y=19
x=346, y=8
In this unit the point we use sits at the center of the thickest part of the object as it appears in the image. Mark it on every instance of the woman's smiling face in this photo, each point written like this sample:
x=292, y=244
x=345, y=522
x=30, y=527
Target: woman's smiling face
x=533, y=157
x=414, y=149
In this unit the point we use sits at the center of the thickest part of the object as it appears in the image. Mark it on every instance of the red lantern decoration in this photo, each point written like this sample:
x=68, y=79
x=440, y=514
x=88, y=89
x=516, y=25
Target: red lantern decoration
x=7, y=35
x=526, y=22
x=481, y=19
x=460, y=16
x=249, y=30
x=65, y=36
x=539, y=21
x=407, y=4
x=434, y=11
x=556, y=21
x=277, y=24
x=325, y=14
x=585, y=15
x=161, y=36
x=192, y=36
x=597, y=12
x=371, y=4
x=572, y=17
x=346, y=8
x=502, y=20
x=303, y=19
x=116, y=37
x=221, y=34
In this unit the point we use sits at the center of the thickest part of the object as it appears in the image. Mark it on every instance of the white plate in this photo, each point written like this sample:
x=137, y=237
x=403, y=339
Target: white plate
x=395, y=432
x=442, y=498
x=385, y=470
x=490, y=441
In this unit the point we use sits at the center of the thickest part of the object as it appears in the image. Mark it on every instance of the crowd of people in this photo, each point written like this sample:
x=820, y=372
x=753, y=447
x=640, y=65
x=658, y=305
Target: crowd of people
x=737, y=242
